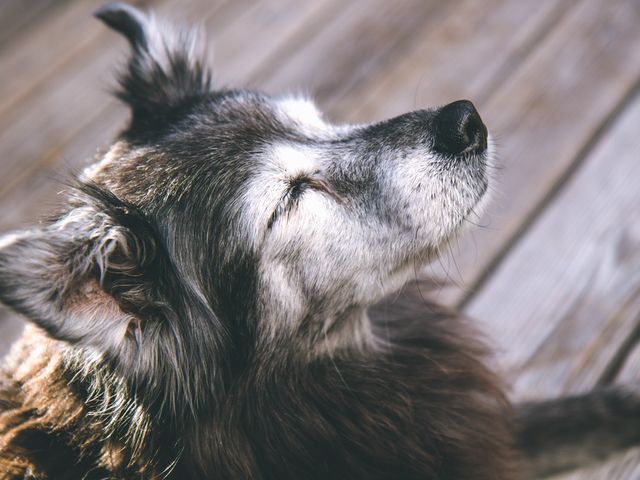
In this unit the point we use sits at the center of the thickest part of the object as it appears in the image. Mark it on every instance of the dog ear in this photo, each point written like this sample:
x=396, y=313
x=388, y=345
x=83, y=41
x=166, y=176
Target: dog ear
x=165, y=72
x=99, y=276
x=87, y=277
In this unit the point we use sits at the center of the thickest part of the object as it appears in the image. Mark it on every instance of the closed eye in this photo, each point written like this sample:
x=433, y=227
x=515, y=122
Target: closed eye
x=295, y=189
x=290, y=197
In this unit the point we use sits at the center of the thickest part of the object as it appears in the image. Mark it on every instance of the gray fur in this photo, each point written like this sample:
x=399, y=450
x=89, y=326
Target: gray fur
x=209, y=293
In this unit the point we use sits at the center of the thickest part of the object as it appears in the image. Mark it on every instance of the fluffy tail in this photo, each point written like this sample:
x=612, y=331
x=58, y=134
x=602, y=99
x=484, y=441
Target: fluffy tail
x=563, y=434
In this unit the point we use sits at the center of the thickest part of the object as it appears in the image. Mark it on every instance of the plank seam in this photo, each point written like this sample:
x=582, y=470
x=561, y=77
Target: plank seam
x=617, y=363
x=519, y=57
x=600, y=132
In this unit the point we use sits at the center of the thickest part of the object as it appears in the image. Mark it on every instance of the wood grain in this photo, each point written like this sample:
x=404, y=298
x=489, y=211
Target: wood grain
x=19, y=19
x=38, y=56
x=543, y=117
x=71, y=97
x=283, y=27
x=10, y=328
x=568, y=295
x=352, y=46
x=464, y=54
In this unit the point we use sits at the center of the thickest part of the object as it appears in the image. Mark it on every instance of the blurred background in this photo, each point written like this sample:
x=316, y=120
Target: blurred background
x=551, y=273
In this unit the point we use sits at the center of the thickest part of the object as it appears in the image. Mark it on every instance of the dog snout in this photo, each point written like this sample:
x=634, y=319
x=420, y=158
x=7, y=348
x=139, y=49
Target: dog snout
x=458, y=129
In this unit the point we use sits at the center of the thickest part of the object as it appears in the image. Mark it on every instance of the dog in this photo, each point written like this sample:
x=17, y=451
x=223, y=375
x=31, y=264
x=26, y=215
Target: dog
x=218, y=298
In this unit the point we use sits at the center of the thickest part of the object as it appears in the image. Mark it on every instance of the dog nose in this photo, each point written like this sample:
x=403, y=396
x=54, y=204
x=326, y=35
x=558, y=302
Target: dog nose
x=459, y=129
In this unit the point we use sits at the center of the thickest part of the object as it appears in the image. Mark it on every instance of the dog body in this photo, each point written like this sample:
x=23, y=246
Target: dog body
x=207, y=304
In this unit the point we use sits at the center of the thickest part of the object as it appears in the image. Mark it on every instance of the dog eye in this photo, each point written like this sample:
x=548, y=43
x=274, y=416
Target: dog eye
x=296, y=188
x=289, y=199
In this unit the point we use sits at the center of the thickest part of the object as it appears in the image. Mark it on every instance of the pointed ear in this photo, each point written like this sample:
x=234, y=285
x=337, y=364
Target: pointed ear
x=89, y=276
x=165, y=71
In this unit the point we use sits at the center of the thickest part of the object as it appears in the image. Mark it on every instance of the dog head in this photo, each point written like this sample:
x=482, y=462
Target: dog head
x=222, y=221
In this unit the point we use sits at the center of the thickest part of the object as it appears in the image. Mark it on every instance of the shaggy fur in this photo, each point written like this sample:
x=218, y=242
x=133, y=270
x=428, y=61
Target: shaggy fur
x=210, y=301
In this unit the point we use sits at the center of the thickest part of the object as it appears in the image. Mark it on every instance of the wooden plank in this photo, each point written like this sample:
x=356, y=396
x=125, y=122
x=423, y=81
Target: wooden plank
x=352, y=46
x=35, y=195
x=543, y=116
x=24, y=67
x=10, y=329
x=18, y=18
x=568, y=296
x=49, y=117
x=463, y=55
x=284, y=26
x=60, y=109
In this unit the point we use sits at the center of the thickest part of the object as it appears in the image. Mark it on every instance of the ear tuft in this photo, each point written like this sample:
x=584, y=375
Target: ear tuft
x=87, y=276
x=126, y=19
x=165, y=73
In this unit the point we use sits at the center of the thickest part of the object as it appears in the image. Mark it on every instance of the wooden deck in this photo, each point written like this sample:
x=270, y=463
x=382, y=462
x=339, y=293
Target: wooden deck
x=553, y=275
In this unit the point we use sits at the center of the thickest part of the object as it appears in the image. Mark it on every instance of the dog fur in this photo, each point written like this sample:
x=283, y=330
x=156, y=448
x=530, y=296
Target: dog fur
x=213, y=300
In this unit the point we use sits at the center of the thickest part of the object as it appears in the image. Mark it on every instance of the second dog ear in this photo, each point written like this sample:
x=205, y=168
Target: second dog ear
x=100, y=279
x=165, y=72
x=89, y=277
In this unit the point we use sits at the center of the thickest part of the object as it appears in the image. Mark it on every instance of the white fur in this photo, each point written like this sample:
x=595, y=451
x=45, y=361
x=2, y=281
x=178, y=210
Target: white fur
x=304, y=116
x=165, y=39
x=280, y=164
x=117, y=151
x=350, y=257
x=11, y=238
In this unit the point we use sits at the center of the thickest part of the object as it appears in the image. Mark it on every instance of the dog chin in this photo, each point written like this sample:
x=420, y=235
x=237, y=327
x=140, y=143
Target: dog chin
x=464, y=216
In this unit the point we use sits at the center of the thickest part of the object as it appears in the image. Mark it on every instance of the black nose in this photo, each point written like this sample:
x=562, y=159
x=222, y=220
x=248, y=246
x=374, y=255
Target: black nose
x=459, y=129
